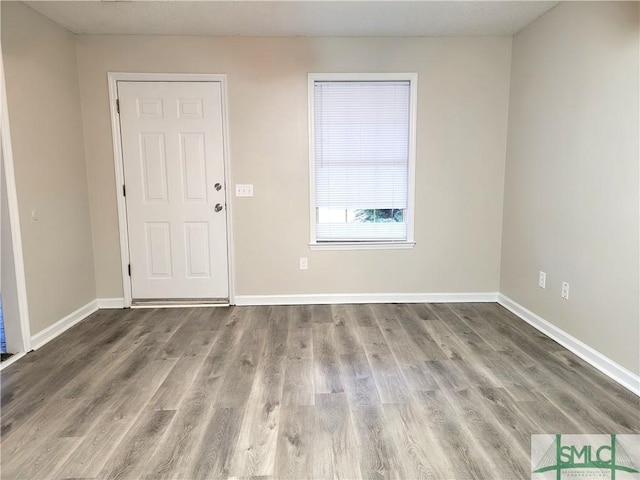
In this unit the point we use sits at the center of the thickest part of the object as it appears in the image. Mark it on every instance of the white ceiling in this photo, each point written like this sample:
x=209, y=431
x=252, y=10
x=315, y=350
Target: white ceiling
x=353, y=18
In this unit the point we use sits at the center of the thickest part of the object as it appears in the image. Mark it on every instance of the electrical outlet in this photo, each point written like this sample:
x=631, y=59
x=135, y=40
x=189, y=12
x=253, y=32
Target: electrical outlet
x=542, y=279
x=304, y=263
x=565, y=290
x=244, y=190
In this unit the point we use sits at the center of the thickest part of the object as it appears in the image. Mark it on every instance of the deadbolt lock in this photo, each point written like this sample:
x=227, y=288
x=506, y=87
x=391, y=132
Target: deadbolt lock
x=217, y=186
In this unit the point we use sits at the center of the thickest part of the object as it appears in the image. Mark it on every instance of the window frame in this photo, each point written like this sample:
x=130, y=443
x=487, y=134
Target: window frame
x=412, y=78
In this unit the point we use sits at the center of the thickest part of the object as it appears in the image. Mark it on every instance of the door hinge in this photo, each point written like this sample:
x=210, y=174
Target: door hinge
x=118, y=105
x=129, y=269
x=124, y=191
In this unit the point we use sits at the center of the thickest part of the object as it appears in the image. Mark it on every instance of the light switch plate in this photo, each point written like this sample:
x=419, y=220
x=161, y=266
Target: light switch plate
x=244, y=190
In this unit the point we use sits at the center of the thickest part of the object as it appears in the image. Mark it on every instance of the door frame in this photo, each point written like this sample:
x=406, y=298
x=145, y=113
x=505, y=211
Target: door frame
x=19, y=277
x=113, y=78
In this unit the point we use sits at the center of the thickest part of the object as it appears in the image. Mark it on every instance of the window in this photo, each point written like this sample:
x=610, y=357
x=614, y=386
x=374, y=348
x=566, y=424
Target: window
x=362, y=160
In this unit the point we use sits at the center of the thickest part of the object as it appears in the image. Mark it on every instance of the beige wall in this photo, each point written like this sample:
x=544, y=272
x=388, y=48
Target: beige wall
x=571, y=193
x=462, y=114
x=46, y=132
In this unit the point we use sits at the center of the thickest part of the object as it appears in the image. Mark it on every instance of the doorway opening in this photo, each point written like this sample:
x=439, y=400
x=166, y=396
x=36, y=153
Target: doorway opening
x=4, y=355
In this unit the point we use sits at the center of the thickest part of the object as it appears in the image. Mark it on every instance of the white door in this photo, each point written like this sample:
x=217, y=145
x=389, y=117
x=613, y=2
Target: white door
x=173, y=153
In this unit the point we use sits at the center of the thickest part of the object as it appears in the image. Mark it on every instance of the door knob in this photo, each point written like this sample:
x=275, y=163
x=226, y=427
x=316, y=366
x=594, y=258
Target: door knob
x=218, y=207
x=217, y=186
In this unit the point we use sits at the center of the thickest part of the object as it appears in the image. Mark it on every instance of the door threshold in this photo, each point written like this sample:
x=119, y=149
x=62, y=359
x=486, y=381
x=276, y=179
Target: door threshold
x=179, y=302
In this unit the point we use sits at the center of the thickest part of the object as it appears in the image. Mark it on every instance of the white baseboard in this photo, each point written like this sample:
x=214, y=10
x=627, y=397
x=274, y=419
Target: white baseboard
x=110, y=302
x=51, y=332
x=12, y=359
x=613, y=370
x=324, y=299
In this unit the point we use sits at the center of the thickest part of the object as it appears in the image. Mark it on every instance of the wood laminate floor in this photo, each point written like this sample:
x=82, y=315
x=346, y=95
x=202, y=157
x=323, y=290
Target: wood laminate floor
x=439, y=391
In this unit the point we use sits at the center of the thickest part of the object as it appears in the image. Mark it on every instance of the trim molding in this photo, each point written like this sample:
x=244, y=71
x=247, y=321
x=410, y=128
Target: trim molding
x=323, y=299
x=12, y=359
x=362, y=246
x=110, y=302
x=52, y=331
x=613, y=370
x=14, y=215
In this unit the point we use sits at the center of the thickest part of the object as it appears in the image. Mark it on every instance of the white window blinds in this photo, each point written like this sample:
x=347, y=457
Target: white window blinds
x=361, y=140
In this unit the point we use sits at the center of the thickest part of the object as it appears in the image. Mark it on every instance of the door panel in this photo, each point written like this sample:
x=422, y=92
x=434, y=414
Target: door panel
x=158, y=250
x=172, y=144
x=193, y=167
x=197, y=249
x=154, y=167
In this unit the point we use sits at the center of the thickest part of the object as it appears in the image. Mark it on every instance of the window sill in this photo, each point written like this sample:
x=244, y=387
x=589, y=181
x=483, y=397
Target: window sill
x=362, y=245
